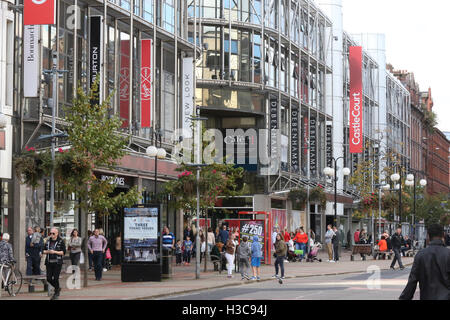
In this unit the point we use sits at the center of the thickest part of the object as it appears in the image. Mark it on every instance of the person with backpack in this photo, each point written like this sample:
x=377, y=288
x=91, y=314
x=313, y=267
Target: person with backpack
x=244, y=254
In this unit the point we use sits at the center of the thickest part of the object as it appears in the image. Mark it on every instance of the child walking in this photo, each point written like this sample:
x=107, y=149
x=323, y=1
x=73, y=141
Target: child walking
x=187, y=244
x=178, y=252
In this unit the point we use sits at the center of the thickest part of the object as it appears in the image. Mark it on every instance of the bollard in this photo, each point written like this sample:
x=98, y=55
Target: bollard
x=352, y=258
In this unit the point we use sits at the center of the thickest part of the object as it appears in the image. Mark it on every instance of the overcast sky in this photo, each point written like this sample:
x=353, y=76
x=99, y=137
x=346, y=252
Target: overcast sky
x=417, y=40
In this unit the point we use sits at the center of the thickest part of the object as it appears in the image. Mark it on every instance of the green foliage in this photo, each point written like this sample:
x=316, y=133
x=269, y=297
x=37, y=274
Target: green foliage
x=298, y=197
x=318, y=195
x=433, y=209
x=429, y=119
x=95, y=143
x=215, y=180
x=31, y=167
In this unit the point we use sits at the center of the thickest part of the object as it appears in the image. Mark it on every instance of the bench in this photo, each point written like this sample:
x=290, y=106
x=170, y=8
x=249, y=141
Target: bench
x=29, y=280
x=219, y=262
x=385, y=254
x=364, y=249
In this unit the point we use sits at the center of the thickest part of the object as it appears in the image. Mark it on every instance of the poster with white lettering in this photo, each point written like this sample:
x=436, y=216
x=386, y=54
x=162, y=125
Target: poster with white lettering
x=141, y=235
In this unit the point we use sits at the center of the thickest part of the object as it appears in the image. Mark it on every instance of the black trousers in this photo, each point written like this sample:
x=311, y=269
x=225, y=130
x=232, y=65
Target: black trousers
x=75, y=258
x=336, y=252
x=397, y=257
x=53, y=272
x=279, y=262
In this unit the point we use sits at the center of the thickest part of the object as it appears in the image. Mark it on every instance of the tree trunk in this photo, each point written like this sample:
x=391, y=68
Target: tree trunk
x=84, y=232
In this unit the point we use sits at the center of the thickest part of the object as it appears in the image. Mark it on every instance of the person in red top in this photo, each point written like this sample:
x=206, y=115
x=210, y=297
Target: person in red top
x=356, y=236
x=382, y=244
x=301, y=239
x=286, y=235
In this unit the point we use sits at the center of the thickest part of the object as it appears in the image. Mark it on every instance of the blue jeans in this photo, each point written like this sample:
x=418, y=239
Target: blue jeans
x=301, y=246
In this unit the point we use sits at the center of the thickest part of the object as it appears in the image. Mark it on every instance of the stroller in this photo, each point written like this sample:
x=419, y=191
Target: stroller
x=291, y=256
x=312, y=255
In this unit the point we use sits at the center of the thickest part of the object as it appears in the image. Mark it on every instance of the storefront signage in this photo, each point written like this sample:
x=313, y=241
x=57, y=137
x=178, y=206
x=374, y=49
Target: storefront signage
x=37, y=12
x=356, y=100
x=146, y=82
x=295, y=154
x=31, y=61
x=188, y=96
x=140, y=237
x=313, y=145
x=95, y=54
x=329, y=144
x=274, y=143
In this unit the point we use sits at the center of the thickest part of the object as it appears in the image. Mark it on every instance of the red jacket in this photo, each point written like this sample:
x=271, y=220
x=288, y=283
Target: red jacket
x=287, y=237
x=356, y=237
x=301, y=238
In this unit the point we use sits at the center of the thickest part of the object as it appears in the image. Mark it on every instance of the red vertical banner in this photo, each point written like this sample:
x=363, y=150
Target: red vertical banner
x=146, y=82
x=37, y=12
x=356, y=100
x=124, y=82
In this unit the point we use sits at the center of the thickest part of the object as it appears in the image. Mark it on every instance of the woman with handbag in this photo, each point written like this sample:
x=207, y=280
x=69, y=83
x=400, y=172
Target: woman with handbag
x=75, y=247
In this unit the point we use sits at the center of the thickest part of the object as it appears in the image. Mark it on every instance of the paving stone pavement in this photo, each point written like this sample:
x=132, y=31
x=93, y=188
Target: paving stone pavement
x=183, y=280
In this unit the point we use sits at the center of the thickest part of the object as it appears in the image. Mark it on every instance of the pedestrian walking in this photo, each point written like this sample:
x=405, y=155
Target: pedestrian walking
x=34, y=245
x=431, y=269
x=328, y=241
x=397, y=240
x=74, y=247
x=256, y=258
x=202, y=246
x=335, y=241
x=230, y=249
x=280, y=255
x=90, y=255
x=55, y=248
x=97, y=247
x=179, y=252
x=244, y=254
x=187, y=250
x=42, y=263
x=223, y=235
x=211, y=239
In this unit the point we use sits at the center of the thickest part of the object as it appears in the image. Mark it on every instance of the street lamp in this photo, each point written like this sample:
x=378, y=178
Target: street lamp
x=331, y=172
x=411, y=182
x=395, y=178
x=157, y=153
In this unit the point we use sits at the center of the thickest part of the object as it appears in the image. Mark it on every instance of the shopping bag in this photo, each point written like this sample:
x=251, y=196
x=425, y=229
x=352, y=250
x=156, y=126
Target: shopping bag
x=81, y=258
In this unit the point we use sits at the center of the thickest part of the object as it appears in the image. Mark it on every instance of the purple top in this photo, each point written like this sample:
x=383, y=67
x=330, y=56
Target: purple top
x=97, y=243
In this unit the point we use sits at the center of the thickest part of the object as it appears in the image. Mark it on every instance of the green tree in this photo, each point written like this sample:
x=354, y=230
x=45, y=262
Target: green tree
x=433, y=209
x=95, y=142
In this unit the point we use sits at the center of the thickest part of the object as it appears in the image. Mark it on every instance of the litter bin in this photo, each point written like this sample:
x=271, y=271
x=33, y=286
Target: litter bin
x=166, y=263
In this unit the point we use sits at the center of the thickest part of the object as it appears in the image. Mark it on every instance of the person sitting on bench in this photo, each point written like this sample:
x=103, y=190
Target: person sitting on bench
x=407, y=245
x=382, y=245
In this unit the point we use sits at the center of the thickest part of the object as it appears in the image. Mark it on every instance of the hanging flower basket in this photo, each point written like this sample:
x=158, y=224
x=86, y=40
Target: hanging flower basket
x=72, y=167
x=298, y=197
x=318, y=195
x=31, y=167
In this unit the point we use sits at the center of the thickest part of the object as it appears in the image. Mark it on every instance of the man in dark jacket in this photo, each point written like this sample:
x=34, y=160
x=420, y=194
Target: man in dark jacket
x=55, y=248
x=396, y=241
x=335, y=241
x=33, y=253
x=224, y=235
x=431, y=269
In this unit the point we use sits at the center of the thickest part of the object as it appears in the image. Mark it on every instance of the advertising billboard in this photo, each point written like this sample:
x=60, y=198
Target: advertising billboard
x=251, y=228
x=356, y=100
x=140, y=238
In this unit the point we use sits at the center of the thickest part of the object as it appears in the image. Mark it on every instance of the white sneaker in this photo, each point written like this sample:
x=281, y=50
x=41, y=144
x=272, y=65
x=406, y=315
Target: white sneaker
x=274, y=276
x=332, y=261
x=104, y=269
x=286, y=261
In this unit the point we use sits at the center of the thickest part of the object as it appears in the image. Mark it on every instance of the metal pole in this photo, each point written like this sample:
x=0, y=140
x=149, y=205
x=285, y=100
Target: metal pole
x=335, y=193
x=197, y=240
x=414, y=211
x=54, y=97
x=379, y=214
x=400, y=199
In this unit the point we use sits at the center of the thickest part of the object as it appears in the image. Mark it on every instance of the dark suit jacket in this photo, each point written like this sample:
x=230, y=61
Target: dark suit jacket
x=431, y=269
x=34, y=251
